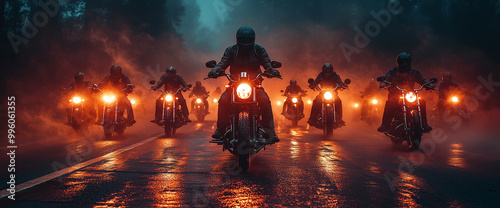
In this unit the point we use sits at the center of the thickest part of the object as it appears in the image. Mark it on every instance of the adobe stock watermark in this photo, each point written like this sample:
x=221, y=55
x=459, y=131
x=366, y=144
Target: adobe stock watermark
x=371, y=30
x=31, y=28
x=482, y=92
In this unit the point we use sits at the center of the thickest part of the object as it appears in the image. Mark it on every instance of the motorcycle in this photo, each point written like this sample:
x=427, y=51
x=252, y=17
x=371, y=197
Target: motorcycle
x=407, y=124
x=370, y=108
x=328, y=117
x=171, y=114
x=80, y=112
x=451, y=110
x=113, y=118
x=245, y=136
x=292, y=107
x=198, y=107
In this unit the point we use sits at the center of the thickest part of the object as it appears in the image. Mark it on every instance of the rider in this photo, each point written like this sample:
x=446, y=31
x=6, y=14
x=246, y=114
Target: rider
x=405, y=77
x=446, y=88
x=245, y=56
x=172, y=82
x=327, y=79
x=200, y=92
x=370, y=91
x=119, y=82
x=83, y=88
x=293, y=89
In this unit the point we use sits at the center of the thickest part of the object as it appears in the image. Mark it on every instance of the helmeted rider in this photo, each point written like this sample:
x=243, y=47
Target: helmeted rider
x=405, y=77
x=328, y=78
x=370, y=91
x=171, y=82
x=83, y=88
x=120, y=83
x=200, y=92
x=446, y=89
x=245, y=56
x=293, y=89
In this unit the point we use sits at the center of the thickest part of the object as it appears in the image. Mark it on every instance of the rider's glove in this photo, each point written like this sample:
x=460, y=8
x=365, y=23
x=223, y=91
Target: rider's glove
x=213, y=72
x=185, y=89
x=430, y=87
x=273, y=72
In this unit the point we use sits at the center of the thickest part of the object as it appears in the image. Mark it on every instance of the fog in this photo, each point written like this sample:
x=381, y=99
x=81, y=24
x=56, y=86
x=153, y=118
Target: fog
x=145, y=38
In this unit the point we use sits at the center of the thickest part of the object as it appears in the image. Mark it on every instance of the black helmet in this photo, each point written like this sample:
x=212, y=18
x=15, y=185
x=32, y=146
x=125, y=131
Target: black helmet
x=447, y=77
x=198, y=83
x=245, y=37
x=293, y=82
x=79, y=77
x=404, y=61
x=327, y=68
x=171, y=70
x=115, y=71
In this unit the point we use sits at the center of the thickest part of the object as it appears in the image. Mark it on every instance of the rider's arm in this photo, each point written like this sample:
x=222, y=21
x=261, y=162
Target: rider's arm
x=225, y=61
x=264, y=59
x=420, y=79
x=126, y=81
x=287, y=91
x=160, y=82
x=182, y=82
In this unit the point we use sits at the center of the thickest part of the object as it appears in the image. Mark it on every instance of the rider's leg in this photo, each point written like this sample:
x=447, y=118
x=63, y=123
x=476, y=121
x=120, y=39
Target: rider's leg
x=315, y=110
x=223, y=115
x=185, y=110
x=267, y=114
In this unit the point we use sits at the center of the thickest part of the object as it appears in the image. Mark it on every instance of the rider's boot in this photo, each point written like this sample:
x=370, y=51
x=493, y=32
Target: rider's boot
x=219, y=134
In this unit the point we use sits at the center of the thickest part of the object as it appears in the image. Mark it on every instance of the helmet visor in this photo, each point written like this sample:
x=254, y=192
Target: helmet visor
x=246, y=40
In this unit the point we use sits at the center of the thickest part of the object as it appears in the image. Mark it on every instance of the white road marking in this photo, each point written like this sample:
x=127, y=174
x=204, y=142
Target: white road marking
x=50, y=176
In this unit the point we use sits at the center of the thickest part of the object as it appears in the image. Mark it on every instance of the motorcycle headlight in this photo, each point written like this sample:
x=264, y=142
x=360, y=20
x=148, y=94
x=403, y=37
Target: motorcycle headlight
x=454, y=99
x=411, y=97
x=295, y=100
x=198, y=100
x=109, y=98
x=374, y=101
x=328, y=96
x=215, y=100
x=132, y=102
x=356, y=105
x=169, y=98
x=244, y=91
x=77, y=100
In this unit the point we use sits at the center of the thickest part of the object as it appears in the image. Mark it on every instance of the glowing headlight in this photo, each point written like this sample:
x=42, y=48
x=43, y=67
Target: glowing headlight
x=295, y=100
x=198, y=100
x=411, y=97
x=278, y=103
x=454, y=99
x=77, y=100
x=244, y=91
x=374, y=101
x=309, y=102
x=215, y=100
x=109, y=98
x=328, y=95
x=132, y=101
x=169, y=98
x=356, y=105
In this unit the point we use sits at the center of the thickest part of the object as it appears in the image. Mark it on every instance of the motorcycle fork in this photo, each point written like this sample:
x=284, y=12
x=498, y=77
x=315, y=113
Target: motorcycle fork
x=234, y=113
x=163, y=110
x=116, y=112
x=419, y=110
x=405, y=115
x=254, y=112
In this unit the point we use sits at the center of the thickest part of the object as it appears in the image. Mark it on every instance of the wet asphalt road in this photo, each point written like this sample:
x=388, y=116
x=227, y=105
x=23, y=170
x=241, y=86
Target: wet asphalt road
x=303, y=170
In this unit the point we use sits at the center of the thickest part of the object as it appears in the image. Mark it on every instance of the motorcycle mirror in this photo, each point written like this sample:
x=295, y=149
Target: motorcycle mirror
x=276, y=64
x=347, y=81
x=433, y=80
x=152, y=82
x=310, y=81
x=189, y=85
x=282, y=91
x=131, y=86
x=211, y=64
x=381, y=79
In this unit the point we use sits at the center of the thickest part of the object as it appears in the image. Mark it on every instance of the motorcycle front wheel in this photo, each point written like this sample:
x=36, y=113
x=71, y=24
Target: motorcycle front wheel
x=243, y=136
x=415, y=134
x=328, y=128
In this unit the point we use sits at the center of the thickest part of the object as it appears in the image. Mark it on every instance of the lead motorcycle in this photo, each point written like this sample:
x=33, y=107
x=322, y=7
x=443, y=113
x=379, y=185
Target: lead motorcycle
x=113, y=117
x=245, y=136
x=328, y=117
x=171, y=113
x=292, y=110
x=407, y=123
